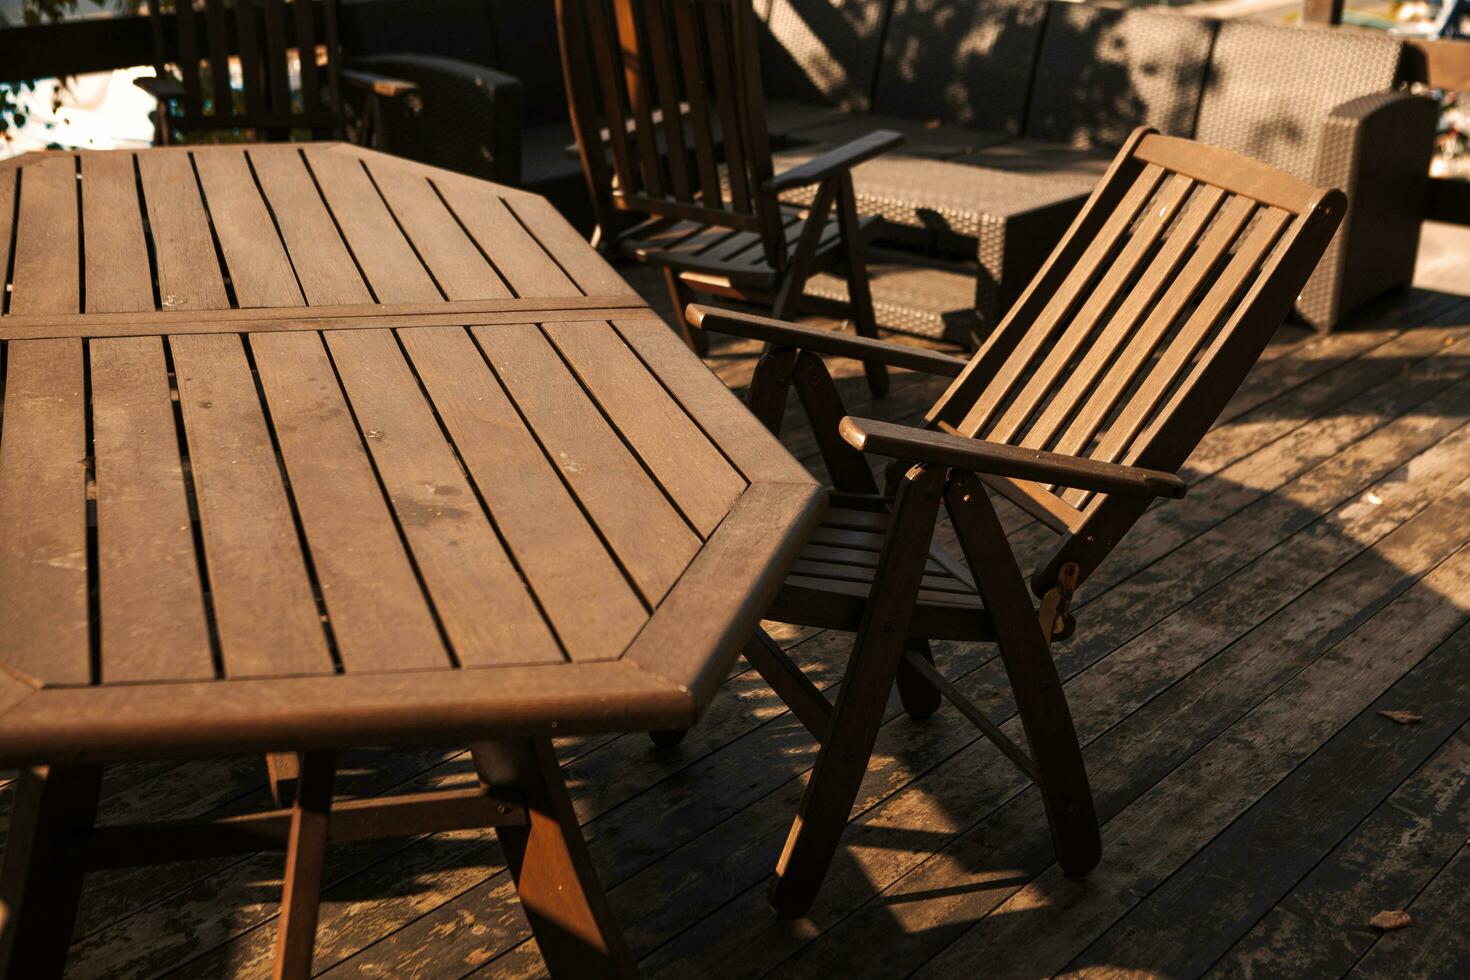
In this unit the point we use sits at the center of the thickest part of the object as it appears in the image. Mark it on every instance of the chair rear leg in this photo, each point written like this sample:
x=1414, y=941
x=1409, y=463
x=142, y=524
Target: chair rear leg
x=39, y=887
x=859, y=290
x=681, y=296
x=1026, y=652
x=920, y=698
x=853, y=728
x=569, y=914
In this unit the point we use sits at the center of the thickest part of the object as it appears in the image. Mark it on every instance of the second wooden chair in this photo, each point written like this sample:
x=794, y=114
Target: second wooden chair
x=669, y=116
x=1079, y=409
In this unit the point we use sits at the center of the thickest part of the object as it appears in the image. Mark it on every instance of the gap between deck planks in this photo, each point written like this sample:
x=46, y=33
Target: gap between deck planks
x=833, y=646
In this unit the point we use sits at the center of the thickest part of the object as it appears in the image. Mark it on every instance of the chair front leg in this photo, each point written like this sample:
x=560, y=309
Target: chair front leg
x=1026, y=651
x=853, y=728
x=859, y=290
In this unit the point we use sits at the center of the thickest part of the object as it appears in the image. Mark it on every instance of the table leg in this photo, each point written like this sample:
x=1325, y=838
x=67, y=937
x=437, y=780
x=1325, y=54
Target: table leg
x=558, y=886
x=40, y=884
x=306, y=852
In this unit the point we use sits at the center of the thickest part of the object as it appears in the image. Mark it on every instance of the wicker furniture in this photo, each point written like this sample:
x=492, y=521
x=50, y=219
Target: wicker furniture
x=687, y=184
x=313, y=448
x=1024, y=101
x=1079, y=408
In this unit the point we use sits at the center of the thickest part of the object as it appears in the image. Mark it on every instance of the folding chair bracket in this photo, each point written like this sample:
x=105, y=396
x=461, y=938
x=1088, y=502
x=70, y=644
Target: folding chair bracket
x=1057, y=622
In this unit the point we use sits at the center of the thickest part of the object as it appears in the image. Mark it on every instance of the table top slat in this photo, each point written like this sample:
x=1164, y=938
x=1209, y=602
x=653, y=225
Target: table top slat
x=690, y=469
x=387, y=260
x=7, y=225
x=47, y=274
x=189, y=276
x=749, y=445
x=379, y=614
x=455, y=262
x=323, y=265
x=44, y=630
x=728, y=586
x=519, y=257
x=458, y=552
x=259, y=269
x=646, y=533
x=588, y=269
x=595, y=610
x=151, y=600
x=118, y=275
x=264, y=607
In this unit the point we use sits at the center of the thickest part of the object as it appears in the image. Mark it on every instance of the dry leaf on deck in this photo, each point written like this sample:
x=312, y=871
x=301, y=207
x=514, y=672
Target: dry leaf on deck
x=1402, y=717
x=1390, y=919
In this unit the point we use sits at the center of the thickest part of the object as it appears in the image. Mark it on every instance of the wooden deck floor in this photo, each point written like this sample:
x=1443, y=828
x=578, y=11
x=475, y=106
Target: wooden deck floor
x=1228, y=676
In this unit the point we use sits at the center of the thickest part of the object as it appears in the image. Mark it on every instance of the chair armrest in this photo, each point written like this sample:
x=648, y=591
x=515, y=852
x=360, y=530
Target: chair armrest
x=998, y=459
x=160, y=88
x=844, y=157
x=824, y=341
x=384, y=85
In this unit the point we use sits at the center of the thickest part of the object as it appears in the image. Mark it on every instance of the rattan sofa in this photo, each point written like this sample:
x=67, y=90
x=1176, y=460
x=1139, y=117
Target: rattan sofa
x=1012, y=107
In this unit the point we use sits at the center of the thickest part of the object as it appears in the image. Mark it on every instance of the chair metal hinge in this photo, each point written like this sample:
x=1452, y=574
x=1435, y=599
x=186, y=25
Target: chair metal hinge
x=1056, y=619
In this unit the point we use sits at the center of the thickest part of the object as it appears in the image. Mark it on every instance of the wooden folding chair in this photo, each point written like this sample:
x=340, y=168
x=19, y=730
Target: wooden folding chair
x=195, y=44
x=661, y=87
x=1080, y=407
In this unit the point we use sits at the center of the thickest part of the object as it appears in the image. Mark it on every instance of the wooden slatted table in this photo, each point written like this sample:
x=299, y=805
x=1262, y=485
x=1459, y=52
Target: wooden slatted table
x=305, y=448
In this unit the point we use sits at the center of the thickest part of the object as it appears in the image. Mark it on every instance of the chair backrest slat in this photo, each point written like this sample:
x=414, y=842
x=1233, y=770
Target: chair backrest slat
x=1086, y=374
x=305, y=37
x=252, y=68
x=1141, y=325
x=722, y=65
x=1139, y=348
x=604, y=43
x=661, y=57
x=666, y=91
x=1045, y=380
x=187, y=27
x=696, y=90
x=277, y=72
x=639, y=99
x=1169, y=367
x=217, y=33
x=1036, y=335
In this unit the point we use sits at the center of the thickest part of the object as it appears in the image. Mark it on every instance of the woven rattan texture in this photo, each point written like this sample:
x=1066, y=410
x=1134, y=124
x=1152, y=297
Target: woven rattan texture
x=1104, y=72
x=1270, y=88
x=823, y=51
x=964, y=63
